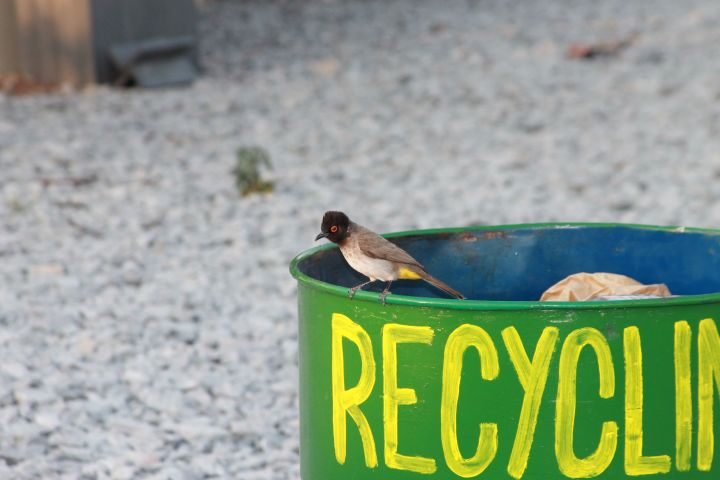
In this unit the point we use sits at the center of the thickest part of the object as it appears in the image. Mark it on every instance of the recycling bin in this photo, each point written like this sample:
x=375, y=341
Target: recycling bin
x=500, y=385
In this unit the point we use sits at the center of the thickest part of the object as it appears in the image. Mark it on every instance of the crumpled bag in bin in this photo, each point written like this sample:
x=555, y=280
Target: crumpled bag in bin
x=598, y=286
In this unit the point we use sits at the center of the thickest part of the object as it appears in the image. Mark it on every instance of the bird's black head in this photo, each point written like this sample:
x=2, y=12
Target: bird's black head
x=334, y=227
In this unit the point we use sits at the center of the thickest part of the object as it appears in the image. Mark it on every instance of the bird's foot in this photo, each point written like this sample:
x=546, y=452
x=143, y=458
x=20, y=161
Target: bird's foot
x=385, y=293
x=382, y=297
x=351, y=291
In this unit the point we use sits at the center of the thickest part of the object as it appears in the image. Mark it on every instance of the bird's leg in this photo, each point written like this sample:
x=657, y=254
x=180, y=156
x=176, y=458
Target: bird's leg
x=351, y=292
x=385, y=292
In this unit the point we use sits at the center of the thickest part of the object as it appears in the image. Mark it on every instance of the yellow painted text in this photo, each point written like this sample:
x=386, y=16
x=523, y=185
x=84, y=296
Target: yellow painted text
x=533, y=376
x=708, y=374
x=635, y=462
x=393, y=396
x=462, y=338
x=597, y=462
x=683, y=396
x=347, y=401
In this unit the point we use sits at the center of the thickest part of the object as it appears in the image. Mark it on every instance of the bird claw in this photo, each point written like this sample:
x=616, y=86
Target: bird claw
x=351, y=292
x=385, y=292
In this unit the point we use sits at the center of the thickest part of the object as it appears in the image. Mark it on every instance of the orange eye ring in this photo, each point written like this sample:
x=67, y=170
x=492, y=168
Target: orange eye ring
x=333, y=229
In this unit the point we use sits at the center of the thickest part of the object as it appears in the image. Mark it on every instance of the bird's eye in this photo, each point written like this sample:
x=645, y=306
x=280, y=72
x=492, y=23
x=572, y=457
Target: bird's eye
x=333, y=229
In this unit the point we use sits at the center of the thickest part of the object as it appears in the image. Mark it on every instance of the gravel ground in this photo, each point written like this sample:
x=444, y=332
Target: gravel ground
x=147, y=319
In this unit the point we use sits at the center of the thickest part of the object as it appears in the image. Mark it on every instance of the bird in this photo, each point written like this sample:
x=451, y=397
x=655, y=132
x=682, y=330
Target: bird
x=374, y=256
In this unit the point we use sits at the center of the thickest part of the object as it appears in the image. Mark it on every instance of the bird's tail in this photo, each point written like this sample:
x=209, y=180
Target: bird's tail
x=443, y=286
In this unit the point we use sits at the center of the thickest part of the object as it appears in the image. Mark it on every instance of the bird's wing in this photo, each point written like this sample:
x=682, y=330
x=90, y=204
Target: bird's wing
x=375, y=246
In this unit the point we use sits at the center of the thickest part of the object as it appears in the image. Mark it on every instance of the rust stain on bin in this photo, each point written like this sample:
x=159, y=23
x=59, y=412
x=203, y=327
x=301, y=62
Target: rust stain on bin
x=495, y=234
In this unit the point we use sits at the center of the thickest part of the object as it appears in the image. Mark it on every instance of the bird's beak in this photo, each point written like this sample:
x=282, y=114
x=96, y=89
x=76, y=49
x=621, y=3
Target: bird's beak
x=321, y=235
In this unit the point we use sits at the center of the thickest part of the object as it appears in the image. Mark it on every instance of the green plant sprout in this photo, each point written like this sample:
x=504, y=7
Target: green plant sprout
x=247, y=171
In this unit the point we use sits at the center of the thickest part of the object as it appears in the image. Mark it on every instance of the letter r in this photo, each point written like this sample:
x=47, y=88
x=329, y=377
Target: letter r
x=347, y=401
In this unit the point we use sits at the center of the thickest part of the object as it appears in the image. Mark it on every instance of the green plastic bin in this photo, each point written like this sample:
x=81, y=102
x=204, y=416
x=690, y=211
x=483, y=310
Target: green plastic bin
x=502, y=386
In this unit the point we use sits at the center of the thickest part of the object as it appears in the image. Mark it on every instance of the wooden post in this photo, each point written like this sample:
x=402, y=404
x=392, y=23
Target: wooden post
x=49, y=41
x=9, y=61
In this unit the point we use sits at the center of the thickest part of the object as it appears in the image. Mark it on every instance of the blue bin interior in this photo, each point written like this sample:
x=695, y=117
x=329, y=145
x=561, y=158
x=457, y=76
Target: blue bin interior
x=519, y=264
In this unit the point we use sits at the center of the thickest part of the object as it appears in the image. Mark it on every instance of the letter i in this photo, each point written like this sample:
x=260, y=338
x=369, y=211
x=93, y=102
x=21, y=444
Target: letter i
x=683, y=396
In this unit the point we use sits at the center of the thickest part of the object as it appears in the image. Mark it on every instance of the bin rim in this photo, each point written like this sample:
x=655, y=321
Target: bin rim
x=479, y=305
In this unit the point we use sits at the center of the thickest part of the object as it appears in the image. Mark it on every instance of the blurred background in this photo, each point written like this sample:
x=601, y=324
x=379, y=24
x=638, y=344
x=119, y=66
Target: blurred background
x=161, y=165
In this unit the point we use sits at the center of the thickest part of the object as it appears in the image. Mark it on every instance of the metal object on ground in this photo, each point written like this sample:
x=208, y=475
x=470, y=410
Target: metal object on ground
x=162, y=34
x=156, y=62
x=502, y=386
